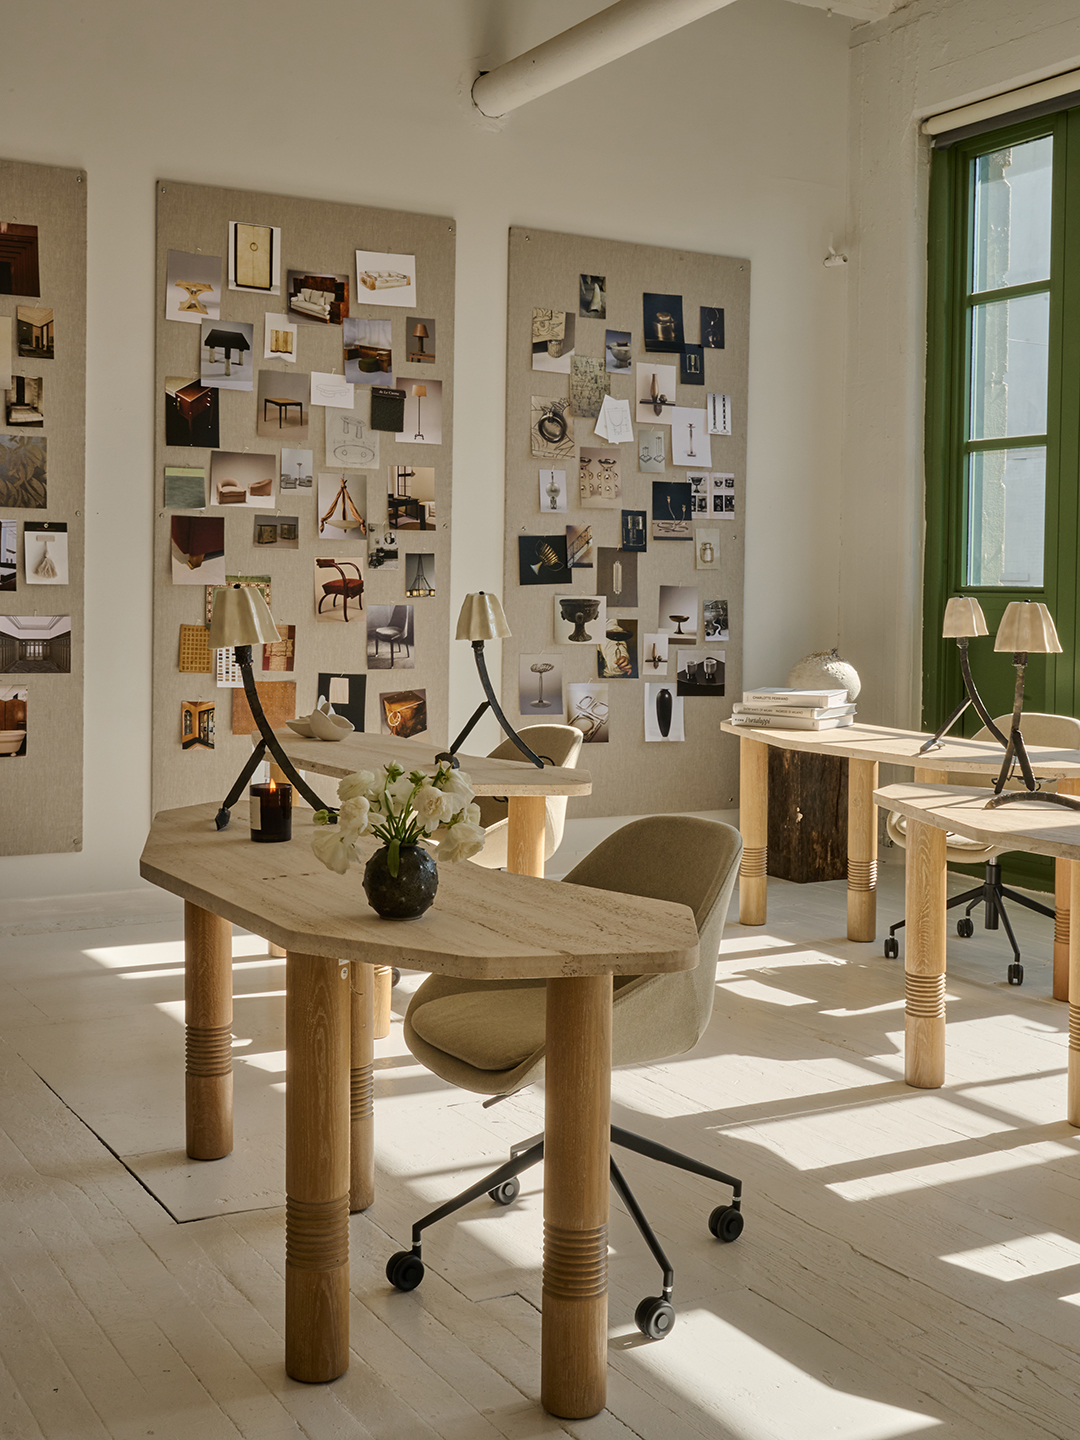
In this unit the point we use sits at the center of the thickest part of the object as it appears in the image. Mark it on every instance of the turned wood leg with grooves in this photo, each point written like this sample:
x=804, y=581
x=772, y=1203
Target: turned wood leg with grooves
x=317, y=996
x=862, y=850
x=577, y=1121
x=924, y=957
x=383, y=982
x=1062, y=909
x=362, y=1086
x=526, y=829
x=754, y=828
x=1073, y=1107
x=208, y=1026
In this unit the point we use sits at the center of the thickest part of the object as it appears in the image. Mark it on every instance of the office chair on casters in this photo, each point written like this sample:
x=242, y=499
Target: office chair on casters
x=1063, y=733
x=488, y=1036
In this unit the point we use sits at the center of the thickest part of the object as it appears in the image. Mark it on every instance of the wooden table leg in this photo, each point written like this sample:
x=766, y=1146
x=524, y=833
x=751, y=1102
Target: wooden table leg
x=577, y=1136
x=1062, y=909
x=383, y=984
x=924, y=957
x=1073, y=1109
x=526, y=831
x=208, y=1022
x=754, y=828
x=362, y=1087
x=317, y=994
x=862, y=850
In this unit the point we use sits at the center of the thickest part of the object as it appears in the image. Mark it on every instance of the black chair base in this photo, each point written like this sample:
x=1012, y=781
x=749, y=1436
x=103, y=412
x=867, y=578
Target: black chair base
x=654, y=1316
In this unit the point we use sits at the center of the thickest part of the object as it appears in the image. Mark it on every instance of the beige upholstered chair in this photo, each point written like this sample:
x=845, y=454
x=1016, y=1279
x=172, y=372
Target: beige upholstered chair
x=561, y=744
x=1063, y=733
x=488, y=1036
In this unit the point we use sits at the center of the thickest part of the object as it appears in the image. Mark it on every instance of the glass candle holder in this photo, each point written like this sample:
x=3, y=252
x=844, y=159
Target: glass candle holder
x=271, y=812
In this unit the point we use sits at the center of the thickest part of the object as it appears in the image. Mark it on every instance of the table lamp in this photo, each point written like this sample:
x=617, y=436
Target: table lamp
x=482, y=619
x=964, y=621
x=242, y=619
x=420, y=333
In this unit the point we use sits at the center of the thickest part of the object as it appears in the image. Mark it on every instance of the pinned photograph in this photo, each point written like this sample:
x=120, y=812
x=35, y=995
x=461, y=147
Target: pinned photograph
x=712, y=327
x=390, y=637
x=256, y=582
x=35, y=644
x=282, y=531
x=318, y=299
x=192, y=287
x=387, y=408
x=599, y=478
x=295, y=469
x=45, y=552
x=677, y=614
x=551, y=429
x=23, y=472
x=410, y=501
x=690, y=443
x=692, y=365
x=655, y=392
x=700, y=672
x=617, y=350
x=242, y=478
x=197, y=549
x=342, y=506
x=420, y=574
x=663, y=713
x=723, y=496
x=34, y=328
x=367, y=350
x=672, y=516
x=385, y=279
x=282, y=410
x=663, y=323
x=225, y=357
x=279, y=338
x=706, y=548
x=714, y=616
x=280, y=655
x=383, y=553
x=19, y=271
x=553, y=490
x=579, y=547
x=553, y=335
x=191, y=413
x=589, y=383
x=423, y=411
x=587, y=711
x=542, y=560
x=540, y=685
x=403, y=713
x=330, y=388
x=9, y=565
x=25, y=402
x=347, y=695
x=719, y=412
x=339, y=590
x=350, y=440
x=194, y=656
x=254, y=257
x=652, y=451
x=700, y=491
x=616, y=577
x=5, y=351
x=634, y=535
x=279, y=704
x=580, y=619
x=617, y=658
x=197, y=724
x=420, y=340
x=185, y=487
x=13, y=728
x=654, y=653
x=592, y=296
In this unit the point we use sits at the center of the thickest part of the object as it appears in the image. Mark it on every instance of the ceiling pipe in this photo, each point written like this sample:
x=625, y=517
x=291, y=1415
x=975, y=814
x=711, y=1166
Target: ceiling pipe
x=606, y=36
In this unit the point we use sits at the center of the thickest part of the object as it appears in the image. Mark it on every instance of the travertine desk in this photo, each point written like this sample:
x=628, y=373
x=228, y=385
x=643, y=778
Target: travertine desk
x=484, y=923
x=931, y=810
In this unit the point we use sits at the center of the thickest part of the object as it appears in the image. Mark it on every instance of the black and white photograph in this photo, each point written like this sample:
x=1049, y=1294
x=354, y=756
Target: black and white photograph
x=45, y=552
x=35, y=644
x=587, y=710
x=24, y=480
x=579, y=619
x=254, y=257
x=692, y=365
x=9, y=564
x=663, y=713
x=617, y=656
x=423, y=411
x=690, y=443
x=652, y=451
x=677, y=614
x=617, y=352
x=419, y=574
x=34, y=328
x=654, y=390
x=191, y=412
x=226, y=355
x=699, y=483
x=383, y=550
x=410, y=500
x=13, y=727
x=592, y=296
x=346, y=693
x=185, y=487
x=384, y=278
x=719, y=410
x=672, y=515
x=663, y=323
x=351, y=443
x=341, y=508
x=634, y=530
x=654, y=653
x=723, y=496
x=24, y=406
x=553, y=491
x=599, y=477
x=542, y=560
x=714, y=616
x=280, y=531
x=706, y=547
x=282, y=408
x=551, y=428
x=617, y=577
x=579, y=547
x=420, y=346
x=369, y=356
x=700, y=672
x=589, y=383
x=553, y=335
x=317, y=299
x=19, y=272
x=280, y=338
x=242, y=477
x=390, y=644
x=192, y=287
x=540, y=686
x=296, y=469
x=712, y=327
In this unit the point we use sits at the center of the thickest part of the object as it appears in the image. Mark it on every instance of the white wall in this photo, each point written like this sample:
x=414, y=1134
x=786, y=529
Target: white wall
x=728, y=136
x=926, y=58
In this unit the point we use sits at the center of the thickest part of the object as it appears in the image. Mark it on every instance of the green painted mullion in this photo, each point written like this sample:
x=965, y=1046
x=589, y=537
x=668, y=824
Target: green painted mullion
x=1007, y=292
x=1063, y=682
x=1005, y=442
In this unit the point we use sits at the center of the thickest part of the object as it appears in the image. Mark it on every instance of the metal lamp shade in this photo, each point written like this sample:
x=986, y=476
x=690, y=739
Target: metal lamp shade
x=241, y=617
x=963, y=618
x=481, y=618
x=1027, y=628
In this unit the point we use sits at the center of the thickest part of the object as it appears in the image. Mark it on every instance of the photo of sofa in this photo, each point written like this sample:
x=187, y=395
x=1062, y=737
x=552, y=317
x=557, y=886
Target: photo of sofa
x=323, y=298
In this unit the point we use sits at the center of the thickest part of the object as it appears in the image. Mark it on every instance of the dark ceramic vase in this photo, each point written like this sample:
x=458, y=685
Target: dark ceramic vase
x=408, y=894
x=663, y=711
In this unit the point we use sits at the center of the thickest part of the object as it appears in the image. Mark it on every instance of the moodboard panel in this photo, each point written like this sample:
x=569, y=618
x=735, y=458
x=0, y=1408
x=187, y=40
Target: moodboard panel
x=365, y=297
x=42, y=490
x=650, y=503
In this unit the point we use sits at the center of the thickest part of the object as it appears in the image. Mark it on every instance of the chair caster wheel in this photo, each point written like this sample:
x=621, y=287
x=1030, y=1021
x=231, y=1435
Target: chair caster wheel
x=507, y=1192
x=891, y=948
x=965, y=928
x=654, y=1317
x=405, y=1270
x=395, y=976
x=726, y=1223
x=1016, y=974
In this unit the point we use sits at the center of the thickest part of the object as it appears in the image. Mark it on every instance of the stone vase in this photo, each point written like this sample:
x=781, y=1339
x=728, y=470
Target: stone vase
x=408, y=894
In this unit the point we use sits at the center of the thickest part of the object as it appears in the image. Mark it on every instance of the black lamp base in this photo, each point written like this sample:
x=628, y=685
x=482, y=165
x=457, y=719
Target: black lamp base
x=449, y=757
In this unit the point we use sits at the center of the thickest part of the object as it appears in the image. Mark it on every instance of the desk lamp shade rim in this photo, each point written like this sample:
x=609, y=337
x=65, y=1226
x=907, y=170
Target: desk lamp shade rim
x=420, y=331
x=482, y=618
x=1027, y=627
x=964, y=618
x=241, y=617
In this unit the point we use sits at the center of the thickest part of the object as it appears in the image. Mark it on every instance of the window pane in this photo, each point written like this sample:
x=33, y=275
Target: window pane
x=1008, y=367
x=1006, y=517
x=1012, y=215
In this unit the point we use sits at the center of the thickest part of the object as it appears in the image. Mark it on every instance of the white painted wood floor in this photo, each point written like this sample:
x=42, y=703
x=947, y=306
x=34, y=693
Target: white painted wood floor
x=910, y=1264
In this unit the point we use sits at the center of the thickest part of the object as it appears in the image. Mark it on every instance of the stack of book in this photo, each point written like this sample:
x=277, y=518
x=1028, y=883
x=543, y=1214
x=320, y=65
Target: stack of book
x=777, y=708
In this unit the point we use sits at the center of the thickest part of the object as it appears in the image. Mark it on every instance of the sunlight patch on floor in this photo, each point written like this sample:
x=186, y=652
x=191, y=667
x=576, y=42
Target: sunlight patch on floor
x=1019, y=1257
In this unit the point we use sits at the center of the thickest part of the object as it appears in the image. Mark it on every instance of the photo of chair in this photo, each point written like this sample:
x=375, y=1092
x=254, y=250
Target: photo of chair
x=345, y=588
x=230, y=493
x=395, y=632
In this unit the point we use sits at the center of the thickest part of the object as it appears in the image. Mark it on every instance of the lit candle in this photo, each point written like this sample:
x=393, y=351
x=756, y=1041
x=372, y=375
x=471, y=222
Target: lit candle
x=271, y=812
